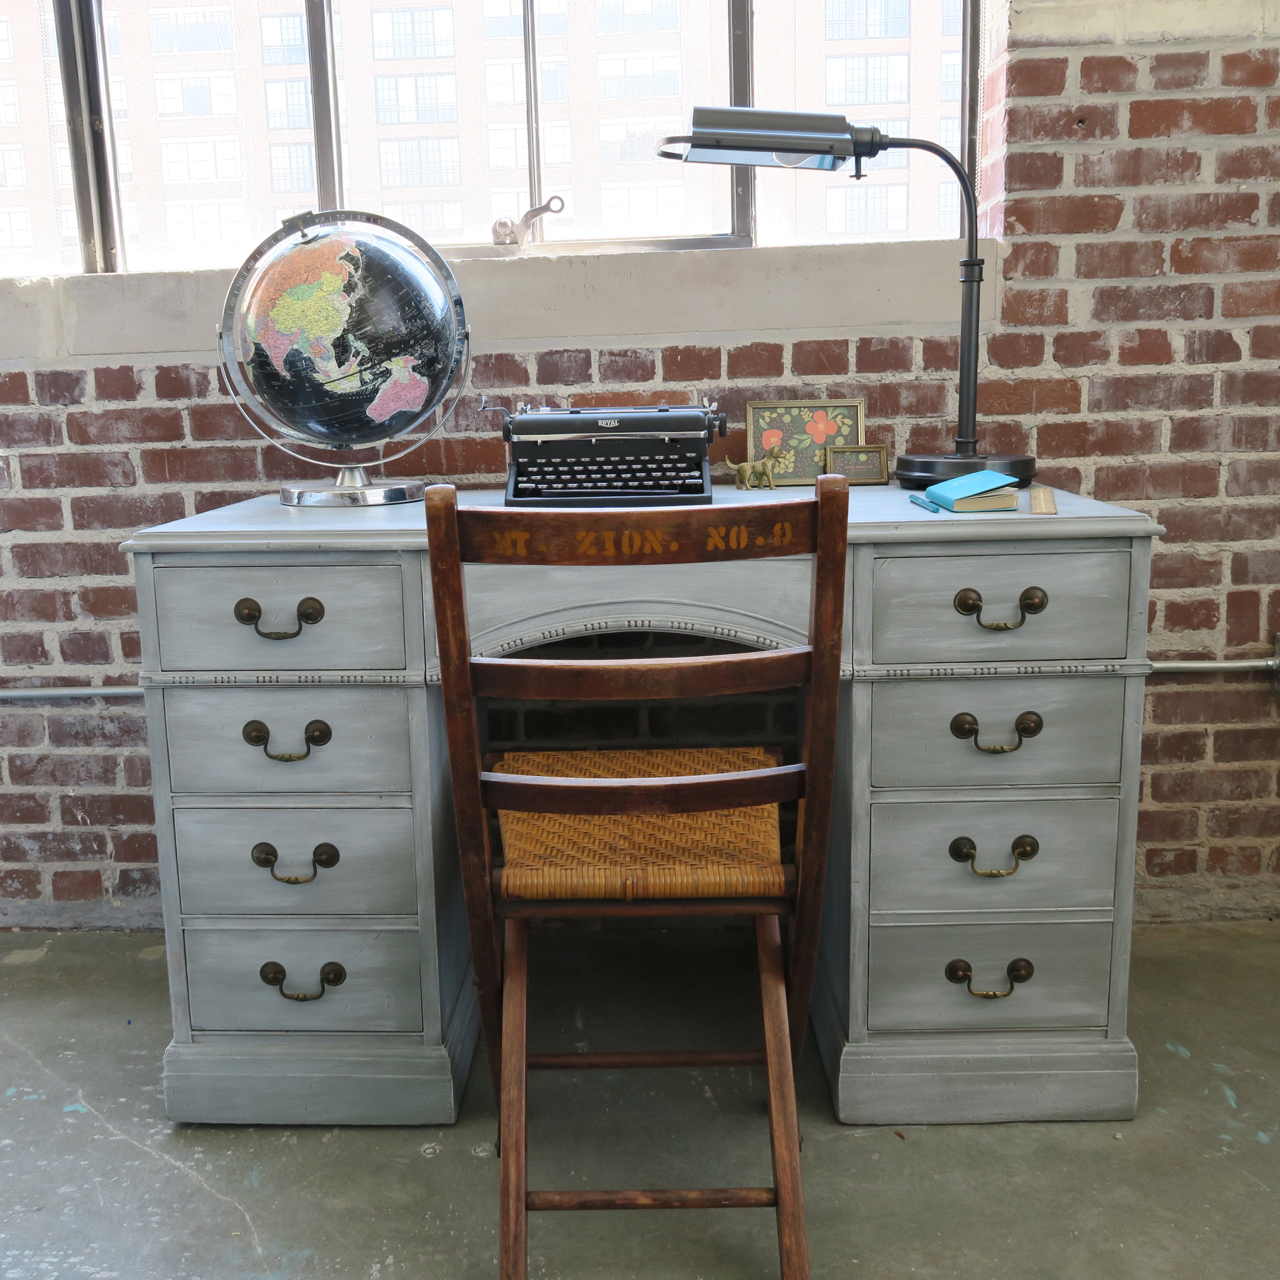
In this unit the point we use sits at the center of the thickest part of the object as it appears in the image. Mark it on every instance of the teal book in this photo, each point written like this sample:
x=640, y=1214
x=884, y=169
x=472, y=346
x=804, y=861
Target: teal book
x=978, y=491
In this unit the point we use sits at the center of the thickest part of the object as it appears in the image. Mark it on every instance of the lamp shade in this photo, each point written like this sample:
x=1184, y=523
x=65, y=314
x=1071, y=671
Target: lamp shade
x=782, y=139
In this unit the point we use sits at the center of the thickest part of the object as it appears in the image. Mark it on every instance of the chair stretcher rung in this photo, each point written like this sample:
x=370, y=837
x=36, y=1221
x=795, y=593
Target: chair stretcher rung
x=702, y=1198
x=660, y=1058
x=573, y=908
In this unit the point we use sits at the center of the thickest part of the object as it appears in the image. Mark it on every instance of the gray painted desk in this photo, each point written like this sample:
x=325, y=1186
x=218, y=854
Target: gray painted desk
x=248, y=842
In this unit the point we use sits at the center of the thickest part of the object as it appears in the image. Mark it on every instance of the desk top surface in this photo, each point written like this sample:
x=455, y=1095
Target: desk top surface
x=881, y=513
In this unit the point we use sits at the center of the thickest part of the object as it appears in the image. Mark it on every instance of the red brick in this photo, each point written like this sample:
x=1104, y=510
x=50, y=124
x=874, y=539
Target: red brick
x=1261, y=567
x=1199, y=787
x=220, y=422
x=1108, y=75
x=278, y=465
x=465, y=455
x=1170, y=862
x=53, y=846
x=500, y=369
x=1123, y=259
x=181, y=382
x=1255, y=820
x=126, y=510
x=18, y=730
x=627, y=399
x=1253, y=69
x=14, y=389
x=1216, y=523
x=69, y=560
x=1235, y=746
x=30, y=514
x=1273, y=209
x=564, y=368
x=138, y=882
x=1068, y=479
x=1138, y=167
x=20, y=882
x=818, y=357
x=1097, y=438
x=60, y=386
x=76, y=886
x=1184, y=569
x=37, y=770
x=1033, y=171
x=1212, y=707
x=1251, y=386
x=1156, y=480
x=120, y=383
x=884, y=355
x=76, y=470
x=1031, y=260
x=23, y=809
x=1144, y=346
x=1168, y=824
x=1183, y=117
x=1246, y=478
x=1073, y=350
x=30, y=430
x=1064, y=215
x=35, y=606
x=691, y=364
x=1191, y=615
x=1210, y=346
x=1170, y=392
x=1244, y=618
x=108, y=602
x=1243, y=298
x=1264, y=342
x=1034, y=307
x=86, y=648
x=124, y=426
x=1179, y=70
x=756, y=360
x=1001, y=437
x=137, y=771
x=1225, y=433
x=901, y=399
x=114, y=809
x=1037, y=77
x=98, y=729
x=23, y=648
x=1184, y=747
x=1234, y=862
x=1015, y=350
x=940, y=354
x=1120, y=303
x=1091, y=122
x=1029, y=395
x=196, y=466
x=629, y=364
x=134, y=846
x=1249, y=164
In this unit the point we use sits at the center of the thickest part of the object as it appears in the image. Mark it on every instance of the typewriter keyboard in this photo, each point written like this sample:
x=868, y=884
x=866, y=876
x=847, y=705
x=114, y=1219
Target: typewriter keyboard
x=675, y=473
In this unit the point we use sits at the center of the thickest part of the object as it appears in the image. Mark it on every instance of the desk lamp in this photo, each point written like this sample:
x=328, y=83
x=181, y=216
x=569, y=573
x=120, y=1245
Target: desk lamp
x=800, y=140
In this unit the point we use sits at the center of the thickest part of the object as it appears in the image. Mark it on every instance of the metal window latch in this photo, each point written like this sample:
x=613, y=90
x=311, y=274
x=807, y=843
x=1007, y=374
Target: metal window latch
x=508, y=231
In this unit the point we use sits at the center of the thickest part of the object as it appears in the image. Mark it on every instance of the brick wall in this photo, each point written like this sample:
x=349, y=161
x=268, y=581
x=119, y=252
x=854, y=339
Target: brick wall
x=1137, y=190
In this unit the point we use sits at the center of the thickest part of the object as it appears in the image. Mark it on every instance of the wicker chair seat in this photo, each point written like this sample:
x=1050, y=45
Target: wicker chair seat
x=727, y=853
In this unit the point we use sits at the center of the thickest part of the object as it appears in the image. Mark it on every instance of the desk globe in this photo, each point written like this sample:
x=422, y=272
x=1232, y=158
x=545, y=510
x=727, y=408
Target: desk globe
x=342, y=331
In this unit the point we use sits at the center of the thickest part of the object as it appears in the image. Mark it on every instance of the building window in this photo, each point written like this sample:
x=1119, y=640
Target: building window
x=199, y=223
x=867, y=210
x=9, y=103
x=119, y=95
x=284, y=41
x=895, y=159
x=413, y=33
x=952, y=17
x=62, y=163
x=111, y=27
x=634, y=141
x=293, y=166
x=13, y=170
x=6, y=41
x=508, y=147
x=420, y=162
x=416, y=99
x=503, y=82
x=949, y=78
x=555, y=80
x=868, y=19
x=642, y=208
x=557, y=145
x=124, y=162
x=949, y=210
x=949, y=133
x=553, y=17
x=873, y=78
x=646, y=75
x=433, y=218
x=190, y=30
x=503, y=19
x=288, y=104
x=637, y=15
x=190, y=160
x=195, y=95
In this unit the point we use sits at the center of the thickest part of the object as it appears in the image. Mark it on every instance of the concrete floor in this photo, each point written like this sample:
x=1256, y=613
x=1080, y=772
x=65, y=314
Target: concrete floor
x=96, y=1183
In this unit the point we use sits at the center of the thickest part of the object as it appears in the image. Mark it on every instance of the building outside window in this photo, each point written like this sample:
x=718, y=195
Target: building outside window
x=432, y=218
x=293, y=166
x=555, y=80
x=284, y=40
x=557, y=144
x=6, y=40
x=9, y=112
x=508, y=147
x=553, y=17
x=867, y=210
x=420, y=162
x=952, y=17
x=503, y=19
x=634, y=141
x=427, y=99
x=191, y=160
x=868, y=19
x=948, y=210
x=200, y=224
x=13, y=169
x=504, y=81
x=640, y=75
x=867, y=79
x=413, y=33
x=15, y=227
x=190, y=30
x=895, y=159
x=949, y=133
x=637, y=15
x=288, y=104
x=632, y=206
x=195, y=96
x=949, y=77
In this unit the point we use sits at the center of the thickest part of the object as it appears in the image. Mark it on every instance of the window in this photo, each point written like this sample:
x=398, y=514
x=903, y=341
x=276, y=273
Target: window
x=284, y=40
x=413, y=33
x=9, y=103
x=204, y=225
x=191, y=160
x=508, y=147
x=190, y=30
x=111, y=28
x=195, y=96
x=6, y=40
x=873, y=78
x=554, y=86
x=642, y=208
x=639, y=76
x=15, y=227
x=504, y=82
x=119, y=98
x=288, y=104
x=503, y=19
x=867, y=19
x=62, y=164
x=13, y=170
x=556, y=144
x=553, y=17
x=895, y=159
x=949, y=77
x=952, y=16
x=416, y=99
x=293, y=166
x=420, y=162
x=867, y=210
x=637, y=15
x=949, y=133
x=433, y=218
x=124, y=162
x=634, y=141
x=949, y=210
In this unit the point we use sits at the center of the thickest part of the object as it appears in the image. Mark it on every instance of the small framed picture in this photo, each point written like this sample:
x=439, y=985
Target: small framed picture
x=795, y=434
x=859, y=463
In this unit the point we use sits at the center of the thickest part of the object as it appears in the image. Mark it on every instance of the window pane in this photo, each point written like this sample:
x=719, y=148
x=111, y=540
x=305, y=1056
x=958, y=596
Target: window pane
x=38, y=229
x=212, y=111
x=887, y=63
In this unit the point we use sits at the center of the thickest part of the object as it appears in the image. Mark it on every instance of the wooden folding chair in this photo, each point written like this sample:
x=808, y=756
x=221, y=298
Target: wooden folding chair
x=642, y=833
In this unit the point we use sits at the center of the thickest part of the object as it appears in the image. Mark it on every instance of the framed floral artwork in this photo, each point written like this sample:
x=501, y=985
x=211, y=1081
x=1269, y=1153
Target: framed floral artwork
x=801, y=431
x=859, y=463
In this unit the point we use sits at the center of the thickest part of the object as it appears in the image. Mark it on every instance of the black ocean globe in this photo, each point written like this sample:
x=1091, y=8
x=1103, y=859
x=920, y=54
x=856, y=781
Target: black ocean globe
x=342, y=329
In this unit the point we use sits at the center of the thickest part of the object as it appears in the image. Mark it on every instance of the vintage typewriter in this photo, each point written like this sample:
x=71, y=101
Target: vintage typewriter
x=610, y=457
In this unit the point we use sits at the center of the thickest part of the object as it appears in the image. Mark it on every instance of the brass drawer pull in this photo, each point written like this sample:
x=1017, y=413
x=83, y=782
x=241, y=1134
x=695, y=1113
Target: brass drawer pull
x=968, y=601
x=316, y=734
x=1019, y=971
x=323, y=855
x=249, y=613
x=962, y=849
x=332, y=974
x=1027, y=725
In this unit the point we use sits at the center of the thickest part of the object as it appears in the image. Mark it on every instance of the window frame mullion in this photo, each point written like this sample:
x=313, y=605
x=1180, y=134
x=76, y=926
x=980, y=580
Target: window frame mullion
x=325, y=123
x=742, y=178
x=532, y=113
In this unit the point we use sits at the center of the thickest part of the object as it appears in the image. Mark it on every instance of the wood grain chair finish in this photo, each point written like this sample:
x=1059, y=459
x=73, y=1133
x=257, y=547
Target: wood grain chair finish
x=553, y=803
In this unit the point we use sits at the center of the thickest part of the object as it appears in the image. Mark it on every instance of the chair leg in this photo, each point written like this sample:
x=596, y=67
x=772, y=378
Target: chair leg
x=784, y=1125
x=513, y=1220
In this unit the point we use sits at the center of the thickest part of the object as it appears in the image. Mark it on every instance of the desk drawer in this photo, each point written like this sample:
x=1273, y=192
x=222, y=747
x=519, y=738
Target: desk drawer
x=362, y=627
x=909, y=990
x=912, y=743
x=1073, y=858
x=374, y=872
x=914, y=615
x=382, y=990
x=367, y=750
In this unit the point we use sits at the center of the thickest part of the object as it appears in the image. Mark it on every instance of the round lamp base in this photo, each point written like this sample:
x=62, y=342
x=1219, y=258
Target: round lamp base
x=920, y=470
x=353, y=488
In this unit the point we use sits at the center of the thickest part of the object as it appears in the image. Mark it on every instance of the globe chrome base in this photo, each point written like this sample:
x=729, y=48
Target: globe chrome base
x=920, y=470
x=353, y=488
